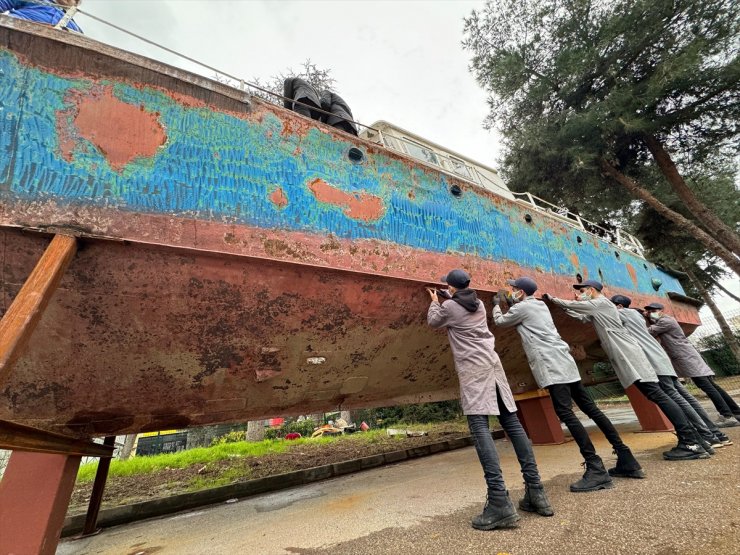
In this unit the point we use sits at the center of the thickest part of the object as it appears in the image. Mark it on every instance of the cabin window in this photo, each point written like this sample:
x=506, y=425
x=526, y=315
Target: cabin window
x=459, y=167
x=420, y=152
x=392, y=143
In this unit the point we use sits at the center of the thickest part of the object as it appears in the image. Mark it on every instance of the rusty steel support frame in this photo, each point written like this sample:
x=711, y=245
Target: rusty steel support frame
x=537, y=415
x=38, y=483
x=96, y=497
x=24, y=313
x=650, y=416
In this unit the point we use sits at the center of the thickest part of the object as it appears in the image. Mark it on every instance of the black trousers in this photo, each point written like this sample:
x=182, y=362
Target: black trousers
x=563, y=395
x=668, y=385
x=721, y=400
x=673, y=412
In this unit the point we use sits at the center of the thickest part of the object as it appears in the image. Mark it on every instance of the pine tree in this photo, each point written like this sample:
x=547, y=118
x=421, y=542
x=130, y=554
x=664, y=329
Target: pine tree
x=592, y=95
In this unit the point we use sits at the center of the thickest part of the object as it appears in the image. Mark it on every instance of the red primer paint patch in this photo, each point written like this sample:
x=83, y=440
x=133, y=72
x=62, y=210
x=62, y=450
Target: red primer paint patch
x=121, y=131
x=632, y=273
x=574, y=260
x=362, y=206
x=278, y=198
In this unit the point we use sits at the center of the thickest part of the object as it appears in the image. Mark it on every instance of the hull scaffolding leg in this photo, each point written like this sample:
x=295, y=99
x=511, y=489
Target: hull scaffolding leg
x=34, y=495
x=538, y=417
x=26, y=310
x=648, y=413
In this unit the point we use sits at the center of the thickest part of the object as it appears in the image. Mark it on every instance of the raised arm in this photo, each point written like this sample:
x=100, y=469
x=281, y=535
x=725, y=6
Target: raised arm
x=514, y=317
x=437, y=315
x=580, y=310
x=660, y=327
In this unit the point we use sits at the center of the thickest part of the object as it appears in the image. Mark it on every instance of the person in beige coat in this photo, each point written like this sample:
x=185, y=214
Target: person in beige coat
x=484, y=391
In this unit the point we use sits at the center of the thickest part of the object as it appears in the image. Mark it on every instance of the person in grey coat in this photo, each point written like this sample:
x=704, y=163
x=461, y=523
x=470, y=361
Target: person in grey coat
x=484, y=391
x=634, y=323
x=554, y=369
x=688, y=363
x=629, y=362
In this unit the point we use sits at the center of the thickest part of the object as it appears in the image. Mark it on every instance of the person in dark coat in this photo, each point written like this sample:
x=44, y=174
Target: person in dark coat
x=301, y=97
x=688, y=363
x=634, y=323
x=47, y=13
x=554, y=369
x=341, y=116
x=630, y=363
x=484, y=391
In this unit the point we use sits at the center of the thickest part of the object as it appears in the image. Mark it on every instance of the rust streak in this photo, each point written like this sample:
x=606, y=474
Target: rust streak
x=632, y=273
x=278, y=198
x=362, y=206
x=574, y=260
x=121, y=131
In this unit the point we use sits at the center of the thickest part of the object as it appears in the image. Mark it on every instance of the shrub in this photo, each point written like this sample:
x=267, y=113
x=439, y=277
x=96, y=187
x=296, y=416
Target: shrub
x=232, y=437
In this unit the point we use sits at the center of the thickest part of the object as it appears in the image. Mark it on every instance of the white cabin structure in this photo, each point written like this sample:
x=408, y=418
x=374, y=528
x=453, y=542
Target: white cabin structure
x=455, y=164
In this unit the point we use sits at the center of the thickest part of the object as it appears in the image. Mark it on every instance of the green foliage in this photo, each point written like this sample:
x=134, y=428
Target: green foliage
x=304, y=427
x=718, y=355
x=232, y=437
x=408, y=414
x=573, y=83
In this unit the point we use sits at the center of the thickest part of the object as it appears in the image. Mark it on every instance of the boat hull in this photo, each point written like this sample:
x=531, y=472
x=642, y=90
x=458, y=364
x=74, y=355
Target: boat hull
x=238, y=261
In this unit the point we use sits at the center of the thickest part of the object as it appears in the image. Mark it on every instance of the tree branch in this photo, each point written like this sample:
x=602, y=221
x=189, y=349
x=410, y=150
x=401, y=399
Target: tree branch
x=683, y=223
x=722, y=232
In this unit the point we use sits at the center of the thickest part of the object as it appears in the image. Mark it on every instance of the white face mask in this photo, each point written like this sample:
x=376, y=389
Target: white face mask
x=655, y=315
x=584, y=296
x=517, y=295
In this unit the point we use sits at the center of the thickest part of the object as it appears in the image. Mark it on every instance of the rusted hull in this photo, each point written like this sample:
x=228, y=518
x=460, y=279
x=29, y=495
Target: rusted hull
x=233, y=262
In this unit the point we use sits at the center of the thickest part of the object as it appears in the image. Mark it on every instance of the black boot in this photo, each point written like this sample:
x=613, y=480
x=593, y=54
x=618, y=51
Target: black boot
x=688, y=448
x=498, y=512
x=535, y=500
x=595, y=478
x=627, y=465
x=706, y=446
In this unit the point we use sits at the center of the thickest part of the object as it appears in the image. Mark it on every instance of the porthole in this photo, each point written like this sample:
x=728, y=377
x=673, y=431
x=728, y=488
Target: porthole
x=355, y=155
x=456, y=191
x=579, y=278
x=616, y=253
x=528, y=218
x=578, y=239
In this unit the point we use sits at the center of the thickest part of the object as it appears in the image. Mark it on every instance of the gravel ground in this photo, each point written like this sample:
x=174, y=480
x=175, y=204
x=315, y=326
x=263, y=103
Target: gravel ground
x=683, y=508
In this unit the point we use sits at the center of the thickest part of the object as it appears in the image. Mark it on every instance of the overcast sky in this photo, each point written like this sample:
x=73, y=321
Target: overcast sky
x=400, y=61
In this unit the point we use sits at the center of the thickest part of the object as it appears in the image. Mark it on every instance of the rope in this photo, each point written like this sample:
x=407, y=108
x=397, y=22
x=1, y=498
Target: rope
x=194, y=61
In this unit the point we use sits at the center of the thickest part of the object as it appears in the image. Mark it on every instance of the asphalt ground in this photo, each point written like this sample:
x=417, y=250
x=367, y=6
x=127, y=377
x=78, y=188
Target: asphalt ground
x=425, y=506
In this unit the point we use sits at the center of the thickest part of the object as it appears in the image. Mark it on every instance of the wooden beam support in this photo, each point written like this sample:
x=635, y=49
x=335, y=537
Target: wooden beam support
x=24, y=438
x=24, y=313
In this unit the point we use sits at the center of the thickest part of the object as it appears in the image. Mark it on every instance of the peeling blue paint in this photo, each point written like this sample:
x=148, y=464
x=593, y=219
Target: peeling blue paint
x=216, y=166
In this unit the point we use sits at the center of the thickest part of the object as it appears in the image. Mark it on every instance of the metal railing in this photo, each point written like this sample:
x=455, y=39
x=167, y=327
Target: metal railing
x=613, y=236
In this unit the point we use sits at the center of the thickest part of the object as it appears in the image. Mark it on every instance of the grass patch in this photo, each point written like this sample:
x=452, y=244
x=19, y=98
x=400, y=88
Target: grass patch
x=227, y=477
x=183, y=459
x=205, y=455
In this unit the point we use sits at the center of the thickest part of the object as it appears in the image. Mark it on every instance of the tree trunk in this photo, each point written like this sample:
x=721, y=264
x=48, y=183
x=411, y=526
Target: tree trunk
x=346, y=415
x=685, y=224
x=128, y=446
x=255, y=430
x=721, y=231
x=723, y=325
